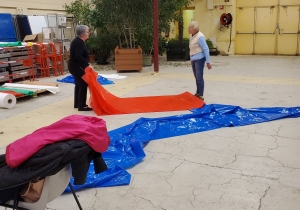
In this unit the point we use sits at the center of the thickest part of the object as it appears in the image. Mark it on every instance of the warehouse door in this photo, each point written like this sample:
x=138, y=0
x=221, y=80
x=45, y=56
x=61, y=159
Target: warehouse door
x=268, y=28
x=289, y=30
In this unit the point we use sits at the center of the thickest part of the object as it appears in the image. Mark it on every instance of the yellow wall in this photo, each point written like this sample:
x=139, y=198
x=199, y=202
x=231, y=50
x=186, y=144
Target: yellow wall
x=188, y=16
x=32, y=7
x=243, y=20
x=252, y=3
x=209, y=22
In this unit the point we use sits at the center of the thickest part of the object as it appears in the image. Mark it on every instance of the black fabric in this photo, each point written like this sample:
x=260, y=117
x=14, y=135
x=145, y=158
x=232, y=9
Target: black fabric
x=9, y=194
x=79, y=56
x=99, y=166
x=50, y=160
x=21, y=27
x=78, y=62
x=80, y=92
x=2, y=161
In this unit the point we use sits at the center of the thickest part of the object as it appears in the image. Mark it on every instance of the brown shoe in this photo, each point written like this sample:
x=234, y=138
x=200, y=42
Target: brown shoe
x=201, y=97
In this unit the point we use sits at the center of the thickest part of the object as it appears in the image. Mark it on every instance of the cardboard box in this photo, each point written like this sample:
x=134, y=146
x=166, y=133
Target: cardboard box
x=33, y=38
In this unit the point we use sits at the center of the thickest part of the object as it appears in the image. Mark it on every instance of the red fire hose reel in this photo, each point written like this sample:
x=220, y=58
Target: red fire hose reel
x=226, y=19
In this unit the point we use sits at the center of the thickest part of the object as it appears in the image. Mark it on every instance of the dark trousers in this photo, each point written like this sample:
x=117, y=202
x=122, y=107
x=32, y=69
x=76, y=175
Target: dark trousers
x=198, y=66
x=80, y=92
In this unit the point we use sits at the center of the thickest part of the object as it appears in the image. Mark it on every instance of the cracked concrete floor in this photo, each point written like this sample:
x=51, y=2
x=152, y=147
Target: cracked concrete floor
x=249, y=167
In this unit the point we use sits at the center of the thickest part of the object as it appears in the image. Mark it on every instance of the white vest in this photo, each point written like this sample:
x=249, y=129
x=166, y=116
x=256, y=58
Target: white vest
x=194, y=43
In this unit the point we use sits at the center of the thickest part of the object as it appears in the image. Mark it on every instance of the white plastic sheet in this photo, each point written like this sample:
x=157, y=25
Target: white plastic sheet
x=112, y=76
x=51, y=89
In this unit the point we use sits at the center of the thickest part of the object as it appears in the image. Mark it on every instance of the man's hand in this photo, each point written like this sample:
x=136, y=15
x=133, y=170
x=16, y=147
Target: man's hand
x=90, y=65
x=208, y=66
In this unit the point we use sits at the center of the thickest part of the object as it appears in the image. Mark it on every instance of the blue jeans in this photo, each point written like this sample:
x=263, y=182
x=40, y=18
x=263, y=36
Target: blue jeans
x=198, y=66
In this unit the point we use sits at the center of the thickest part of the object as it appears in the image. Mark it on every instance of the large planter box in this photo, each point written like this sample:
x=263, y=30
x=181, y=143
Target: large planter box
x=128, y=59
x=178, y=52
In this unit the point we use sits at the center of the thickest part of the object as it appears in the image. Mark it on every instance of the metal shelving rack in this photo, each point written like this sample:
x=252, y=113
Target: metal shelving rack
x=59, y=30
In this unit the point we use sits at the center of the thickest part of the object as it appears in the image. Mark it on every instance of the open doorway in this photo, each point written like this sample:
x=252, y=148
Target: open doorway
x=188, y=16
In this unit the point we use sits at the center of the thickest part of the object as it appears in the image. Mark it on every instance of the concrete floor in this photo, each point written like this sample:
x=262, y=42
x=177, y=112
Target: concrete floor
x=250, y=167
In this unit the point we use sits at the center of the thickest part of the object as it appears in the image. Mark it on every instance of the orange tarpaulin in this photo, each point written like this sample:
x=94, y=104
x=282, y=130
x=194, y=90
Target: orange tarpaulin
x=105, y=103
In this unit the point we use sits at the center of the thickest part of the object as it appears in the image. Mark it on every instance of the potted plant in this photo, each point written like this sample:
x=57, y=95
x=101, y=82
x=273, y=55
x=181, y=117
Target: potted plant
x=177, y=50
x=132, y=21
x=124, y=18
x=128, y=55
x=147, y=45
x=128, y=20
x=100, y=43
x=167, y=14
x=144, y=37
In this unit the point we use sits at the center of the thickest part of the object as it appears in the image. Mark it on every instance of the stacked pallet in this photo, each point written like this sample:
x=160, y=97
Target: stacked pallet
x=17, y=69
x=3, y=67
x=12, y=63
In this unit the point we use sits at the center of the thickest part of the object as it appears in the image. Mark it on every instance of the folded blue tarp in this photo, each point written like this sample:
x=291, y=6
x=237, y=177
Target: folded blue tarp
x=7, y=28
x=127, y=142
x=101, y=80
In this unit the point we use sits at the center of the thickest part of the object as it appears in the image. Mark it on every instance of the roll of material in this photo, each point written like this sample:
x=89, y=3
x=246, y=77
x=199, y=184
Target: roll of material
x=7, y=101
x=51, y=89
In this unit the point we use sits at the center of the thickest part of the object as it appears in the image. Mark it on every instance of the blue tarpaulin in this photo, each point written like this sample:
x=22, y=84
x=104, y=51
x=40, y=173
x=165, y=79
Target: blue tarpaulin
x=7, y=28
x=127, y=142
x=101, y=80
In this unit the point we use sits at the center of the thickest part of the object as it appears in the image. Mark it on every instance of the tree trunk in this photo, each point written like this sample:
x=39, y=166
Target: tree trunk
x=125, y=37
x=133, y=38
x=130, y=37
x=180, y=27
x=120, y=41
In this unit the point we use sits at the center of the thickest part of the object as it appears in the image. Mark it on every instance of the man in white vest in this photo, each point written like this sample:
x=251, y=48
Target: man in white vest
x=199, y=54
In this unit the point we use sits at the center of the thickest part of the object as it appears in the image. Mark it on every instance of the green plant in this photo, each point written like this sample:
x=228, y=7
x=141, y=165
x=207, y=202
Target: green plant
x=82, y=12
x=176, y=40
x=179, y=18
x=124, y=18
x=101, y=42
x=146, y=43
x=209, y=43
x=171, y=11
x=178, y=50
x=168, y=12
x=162, y=44
x=144, y=39
x=131, y=21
